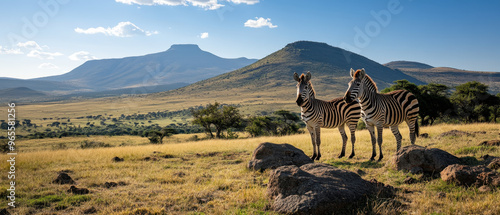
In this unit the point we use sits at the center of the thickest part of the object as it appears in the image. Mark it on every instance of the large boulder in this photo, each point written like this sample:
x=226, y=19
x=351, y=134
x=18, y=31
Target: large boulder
x=271, y=156
x=318, y=188
x=417, y=159
x=470, y=175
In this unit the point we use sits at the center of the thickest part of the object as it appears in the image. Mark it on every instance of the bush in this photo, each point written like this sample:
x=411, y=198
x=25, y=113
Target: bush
x=93, y=144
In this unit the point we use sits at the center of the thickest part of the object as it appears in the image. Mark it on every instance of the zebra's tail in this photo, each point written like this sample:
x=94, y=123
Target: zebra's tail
x=417, y=129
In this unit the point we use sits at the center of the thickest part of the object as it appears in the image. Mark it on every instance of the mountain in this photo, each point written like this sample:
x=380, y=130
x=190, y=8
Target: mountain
x=407, y=65
x=179, y=64
x=446, y=75
x=271, y=78
x=19, y=92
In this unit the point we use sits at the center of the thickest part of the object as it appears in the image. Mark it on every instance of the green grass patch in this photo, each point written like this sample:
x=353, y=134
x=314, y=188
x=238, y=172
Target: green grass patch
x=44, y=201
x=475, y=150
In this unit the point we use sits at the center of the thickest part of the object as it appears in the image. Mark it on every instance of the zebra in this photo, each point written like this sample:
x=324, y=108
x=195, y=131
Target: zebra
x=325, y=114
x=379, y=110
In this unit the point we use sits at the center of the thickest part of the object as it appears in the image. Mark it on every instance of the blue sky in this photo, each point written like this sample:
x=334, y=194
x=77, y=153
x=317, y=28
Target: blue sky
x=49, y=37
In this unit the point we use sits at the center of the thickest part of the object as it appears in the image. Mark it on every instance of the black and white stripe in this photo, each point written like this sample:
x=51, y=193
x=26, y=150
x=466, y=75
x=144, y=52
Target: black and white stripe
x=325, y=114
x=379, y=110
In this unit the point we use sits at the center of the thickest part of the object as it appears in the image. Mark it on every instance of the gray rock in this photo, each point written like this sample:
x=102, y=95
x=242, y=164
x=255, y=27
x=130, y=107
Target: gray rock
x=416, y=159
x=318, y=188
x=271, y=156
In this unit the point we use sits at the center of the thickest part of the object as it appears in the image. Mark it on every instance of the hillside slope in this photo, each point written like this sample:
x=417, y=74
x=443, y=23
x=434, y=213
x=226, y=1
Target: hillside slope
x=448, y=76
x=272, y=76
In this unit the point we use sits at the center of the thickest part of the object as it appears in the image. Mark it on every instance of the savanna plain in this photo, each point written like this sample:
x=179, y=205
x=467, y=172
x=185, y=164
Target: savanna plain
x=210, y=176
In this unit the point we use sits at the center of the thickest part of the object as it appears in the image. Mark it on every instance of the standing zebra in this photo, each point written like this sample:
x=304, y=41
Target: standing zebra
x=379, y=110
x=325, y=114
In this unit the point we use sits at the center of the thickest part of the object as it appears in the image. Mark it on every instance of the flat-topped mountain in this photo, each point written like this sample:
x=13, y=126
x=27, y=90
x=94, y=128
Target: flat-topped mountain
x=179, y=64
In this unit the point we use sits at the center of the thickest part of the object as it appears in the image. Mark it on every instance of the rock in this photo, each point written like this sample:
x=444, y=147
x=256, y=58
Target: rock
x=110, y=184
x=4, y=212
x=424, y=135
x=417, y=159
x=90, y=210
x=484, y=189
x=271, y=156
x=409, y=180
x=78, y=191
x=467, y=175
x=63, y=178
x=318, y=188
x=117, y=159
x=454, y=133
x=441, y=195
x=494, y=164
x=490, y=143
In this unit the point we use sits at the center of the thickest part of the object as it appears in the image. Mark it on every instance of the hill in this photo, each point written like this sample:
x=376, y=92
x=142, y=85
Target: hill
x=270, y=79
x=447, y=76
x=19, y=92
x=38, y=85
x=407, y=64
x=179, y=64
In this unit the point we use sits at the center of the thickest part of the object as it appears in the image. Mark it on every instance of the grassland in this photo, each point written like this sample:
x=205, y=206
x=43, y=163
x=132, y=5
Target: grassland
x=209, y=177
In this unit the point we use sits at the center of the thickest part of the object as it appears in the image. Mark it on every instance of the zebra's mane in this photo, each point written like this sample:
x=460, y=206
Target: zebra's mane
x=370, y=83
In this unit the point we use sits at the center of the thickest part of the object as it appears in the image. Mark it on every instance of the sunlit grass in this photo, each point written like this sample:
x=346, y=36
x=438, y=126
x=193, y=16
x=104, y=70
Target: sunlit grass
x=210, y=176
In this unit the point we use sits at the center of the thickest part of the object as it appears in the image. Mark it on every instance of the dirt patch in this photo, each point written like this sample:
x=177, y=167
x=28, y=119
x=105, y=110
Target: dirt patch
x=117, y=159
x=78, y=191
x=455, y=133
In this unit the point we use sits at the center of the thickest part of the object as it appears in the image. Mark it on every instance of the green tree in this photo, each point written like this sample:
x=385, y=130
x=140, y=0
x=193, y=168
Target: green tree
x=156, y=136
x=434, y=102
x=403, y=85
x=472, y=101
x=217, y=117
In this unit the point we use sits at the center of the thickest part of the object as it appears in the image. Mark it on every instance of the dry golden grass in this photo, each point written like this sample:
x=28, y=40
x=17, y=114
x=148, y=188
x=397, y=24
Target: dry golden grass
x=209, y=177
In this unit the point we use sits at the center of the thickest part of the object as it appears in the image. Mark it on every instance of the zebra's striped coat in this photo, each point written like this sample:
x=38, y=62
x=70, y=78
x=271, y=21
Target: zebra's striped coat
x=319, y=114
x=380, y=110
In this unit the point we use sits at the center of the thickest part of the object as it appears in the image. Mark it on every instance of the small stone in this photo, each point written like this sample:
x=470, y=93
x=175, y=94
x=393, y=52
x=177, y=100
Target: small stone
x=110, y=184
x=484, y=189
x=78, y=191
x=117, y=159
x=441, y=195
x=424, y=135
x=63, y=178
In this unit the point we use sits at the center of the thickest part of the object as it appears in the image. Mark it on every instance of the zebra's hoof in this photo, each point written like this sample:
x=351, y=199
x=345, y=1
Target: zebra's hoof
x=341, y=156
x=351, y=156
x=372, y=159
x=380, y=158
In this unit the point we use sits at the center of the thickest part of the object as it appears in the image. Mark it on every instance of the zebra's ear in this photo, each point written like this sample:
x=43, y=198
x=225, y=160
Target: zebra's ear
x=352, y=73
x=360, y=74
x=296, y=76
x=308, y=76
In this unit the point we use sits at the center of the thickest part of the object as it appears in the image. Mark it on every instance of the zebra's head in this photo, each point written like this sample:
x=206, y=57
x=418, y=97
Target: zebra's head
x=355, y=85
x=304, y=88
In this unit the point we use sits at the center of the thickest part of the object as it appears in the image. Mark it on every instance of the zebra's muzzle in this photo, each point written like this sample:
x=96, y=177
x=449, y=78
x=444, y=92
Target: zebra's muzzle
x=347, y=97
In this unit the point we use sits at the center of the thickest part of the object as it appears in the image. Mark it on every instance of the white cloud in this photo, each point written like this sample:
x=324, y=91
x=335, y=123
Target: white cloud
x=249, y=2
x=43, y=55
x=123, y=29
x=259, y=23
x=31, y=45
x=81, y=55
x=204, y=35
x=10, y=51
x=47, y=66
x=205, y=4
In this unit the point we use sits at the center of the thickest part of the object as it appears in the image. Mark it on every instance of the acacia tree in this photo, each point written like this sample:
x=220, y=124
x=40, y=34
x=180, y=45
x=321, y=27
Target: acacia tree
x=217, y=117
x=155, y=136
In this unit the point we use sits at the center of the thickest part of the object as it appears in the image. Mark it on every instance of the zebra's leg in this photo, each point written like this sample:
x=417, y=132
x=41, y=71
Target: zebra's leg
x=344, y=140
x=398, y=136
x=318, y=141
x=352, y=129
x=380, y=129
x=413, y=125
x=313, y=141
x=371, y=129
